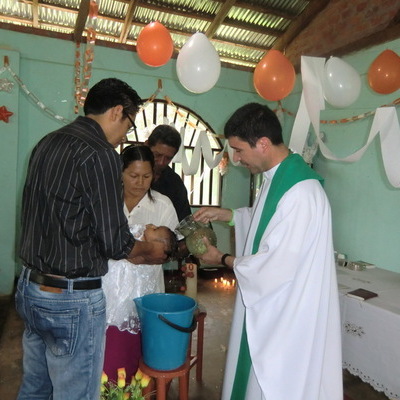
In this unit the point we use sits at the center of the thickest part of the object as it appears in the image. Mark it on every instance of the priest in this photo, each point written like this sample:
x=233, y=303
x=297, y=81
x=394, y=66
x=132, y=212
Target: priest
x=285, y=339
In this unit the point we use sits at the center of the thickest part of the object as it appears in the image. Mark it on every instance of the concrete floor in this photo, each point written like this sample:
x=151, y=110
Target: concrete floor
x=218, y=303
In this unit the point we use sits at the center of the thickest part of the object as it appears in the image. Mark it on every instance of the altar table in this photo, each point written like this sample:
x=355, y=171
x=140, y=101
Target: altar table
x=371, y=328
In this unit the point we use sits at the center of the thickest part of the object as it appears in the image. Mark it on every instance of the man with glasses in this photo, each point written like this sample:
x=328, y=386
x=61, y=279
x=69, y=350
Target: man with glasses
x=72, y=223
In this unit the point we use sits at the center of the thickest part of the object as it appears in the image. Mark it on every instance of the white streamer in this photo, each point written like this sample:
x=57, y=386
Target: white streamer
x=202, y=147
x=312, y=102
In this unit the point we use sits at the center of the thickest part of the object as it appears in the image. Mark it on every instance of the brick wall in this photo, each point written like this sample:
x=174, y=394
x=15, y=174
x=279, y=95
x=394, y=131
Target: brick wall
x=341, y=23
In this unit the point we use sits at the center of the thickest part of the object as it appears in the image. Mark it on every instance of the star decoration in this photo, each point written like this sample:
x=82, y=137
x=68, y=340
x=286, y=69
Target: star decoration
x=5, y=114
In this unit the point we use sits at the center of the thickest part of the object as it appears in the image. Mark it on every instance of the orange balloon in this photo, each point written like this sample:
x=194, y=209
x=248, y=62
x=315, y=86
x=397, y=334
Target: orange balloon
x=384, y=73
x=154, y=45
x=274, y=76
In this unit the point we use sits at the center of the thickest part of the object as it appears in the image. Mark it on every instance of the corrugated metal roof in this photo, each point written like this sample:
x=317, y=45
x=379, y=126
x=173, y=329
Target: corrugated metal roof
x=247, y=31
x=241, y=31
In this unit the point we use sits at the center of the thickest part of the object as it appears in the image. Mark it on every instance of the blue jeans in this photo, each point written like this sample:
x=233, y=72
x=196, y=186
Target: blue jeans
x=63, y=342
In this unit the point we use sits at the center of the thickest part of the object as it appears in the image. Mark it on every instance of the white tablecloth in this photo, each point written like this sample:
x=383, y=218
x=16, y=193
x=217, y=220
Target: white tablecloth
x=371, y=328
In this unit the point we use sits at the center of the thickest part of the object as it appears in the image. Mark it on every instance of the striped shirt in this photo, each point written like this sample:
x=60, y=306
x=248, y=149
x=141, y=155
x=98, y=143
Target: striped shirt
x=72, y=207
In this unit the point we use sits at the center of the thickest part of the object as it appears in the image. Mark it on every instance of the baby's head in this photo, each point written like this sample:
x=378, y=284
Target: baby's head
x=154, y=233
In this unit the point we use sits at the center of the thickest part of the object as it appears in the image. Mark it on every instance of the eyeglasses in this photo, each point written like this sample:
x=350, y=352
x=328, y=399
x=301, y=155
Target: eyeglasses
x=131, y=121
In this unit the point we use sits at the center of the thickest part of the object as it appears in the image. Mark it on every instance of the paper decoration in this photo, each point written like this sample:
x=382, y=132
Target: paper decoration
x=385, y=123
x=223, y=164
x=6, y=85
x=82, y=85
x=32, y=96
x=5, y=114
x=202, y=147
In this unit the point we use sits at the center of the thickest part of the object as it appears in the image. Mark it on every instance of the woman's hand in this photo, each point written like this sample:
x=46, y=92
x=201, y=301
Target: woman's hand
x=209, y=214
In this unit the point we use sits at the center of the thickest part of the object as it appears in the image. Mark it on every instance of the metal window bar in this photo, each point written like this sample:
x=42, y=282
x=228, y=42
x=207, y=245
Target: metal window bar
x=206, y=191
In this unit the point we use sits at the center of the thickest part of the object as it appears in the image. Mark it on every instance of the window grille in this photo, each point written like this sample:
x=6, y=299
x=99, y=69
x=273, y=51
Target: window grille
x=204, y=187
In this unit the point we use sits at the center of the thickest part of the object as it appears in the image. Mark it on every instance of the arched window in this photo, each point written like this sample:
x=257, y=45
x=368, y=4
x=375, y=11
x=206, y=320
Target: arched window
x=204, y=187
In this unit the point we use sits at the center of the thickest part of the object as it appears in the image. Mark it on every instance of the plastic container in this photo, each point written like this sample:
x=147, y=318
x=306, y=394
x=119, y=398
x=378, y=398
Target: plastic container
x=167, y=321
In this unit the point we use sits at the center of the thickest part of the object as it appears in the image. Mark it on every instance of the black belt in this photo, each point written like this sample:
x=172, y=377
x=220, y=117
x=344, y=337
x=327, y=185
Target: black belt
x=62, y=283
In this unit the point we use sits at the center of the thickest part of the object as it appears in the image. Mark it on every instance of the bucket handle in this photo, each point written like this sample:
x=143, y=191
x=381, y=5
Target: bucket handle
x=190, y=329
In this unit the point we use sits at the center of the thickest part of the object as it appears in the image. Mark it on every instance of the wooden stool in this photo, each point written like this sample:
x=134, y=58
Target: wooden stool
x=163, y=378
x=197, y=359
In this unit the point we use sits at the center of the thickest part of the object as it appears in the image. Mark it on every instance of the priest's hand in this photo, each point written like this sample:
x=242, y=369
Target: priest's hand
x=209, y=214
x=212, y=256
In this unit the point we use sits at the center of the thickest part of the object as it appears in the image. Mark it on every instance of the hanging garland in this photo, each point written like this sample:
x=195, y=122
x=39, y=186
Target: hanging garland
x=82, y=87
x=5, y=84
x=35, y=100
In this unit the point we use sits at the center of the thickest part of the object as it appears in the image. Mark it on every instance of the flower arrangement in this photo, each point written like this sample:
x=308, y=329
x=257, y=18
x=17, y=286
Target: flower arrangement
x=122, y=391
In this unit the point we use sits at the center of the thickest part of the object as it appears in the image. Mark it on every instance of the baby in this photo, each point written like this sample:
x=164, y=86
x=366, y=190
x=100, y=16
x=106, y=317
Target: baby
x=153, y=233
x=126, y=281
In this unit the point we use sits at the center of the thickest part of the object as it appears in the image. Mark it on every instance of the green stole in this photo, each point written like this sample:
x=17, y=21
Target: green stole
x=292, y=170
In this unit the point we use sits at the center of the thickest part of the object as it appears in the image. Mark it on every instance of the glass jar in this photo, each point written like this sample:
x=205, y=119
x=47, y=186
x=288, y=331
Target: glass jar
x=194, y=232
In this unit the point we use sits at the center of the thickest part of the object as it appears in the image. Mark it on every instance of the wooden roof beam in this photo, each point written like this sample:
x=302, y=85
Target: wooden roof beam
x=128, y=21
x=222, y=13
x=35, y=13
x=81, y=20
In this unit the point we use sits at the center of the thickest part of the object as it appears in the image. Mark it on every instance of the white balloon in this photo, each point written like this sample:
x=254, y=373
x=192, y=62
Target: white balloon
x=198, y=65
x=341, y=83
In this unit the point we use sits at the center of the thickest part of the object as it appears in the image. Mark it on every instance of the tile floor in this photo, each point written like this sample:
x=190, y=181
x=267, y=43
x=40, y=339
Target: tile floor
x=218, y=303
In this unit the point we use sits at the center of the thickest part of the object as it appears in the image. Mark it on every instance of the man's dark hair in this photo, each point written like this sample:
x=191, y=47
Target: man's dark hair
x=137, y=153
x=109, y=93
x=165, y=134
x=252, y=122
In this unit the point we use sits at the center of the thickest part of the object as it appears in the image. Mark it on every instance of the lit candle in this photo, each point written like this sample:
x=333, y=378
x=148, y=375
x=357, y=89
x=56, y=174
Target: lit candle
x=233, y=283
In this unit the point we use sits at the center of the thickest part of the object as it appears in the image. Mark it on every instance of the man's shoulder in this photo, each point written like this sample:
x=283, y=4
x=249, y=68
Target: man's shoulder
x=81, y=138
x=308, y=190
x=168, y=172
x=169, y=176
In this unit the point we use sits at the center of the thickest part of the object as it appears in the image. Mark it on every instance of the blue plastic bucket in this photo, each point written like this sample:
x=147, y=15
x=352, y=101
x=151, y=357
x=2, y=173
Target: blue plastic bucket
x=166, y=322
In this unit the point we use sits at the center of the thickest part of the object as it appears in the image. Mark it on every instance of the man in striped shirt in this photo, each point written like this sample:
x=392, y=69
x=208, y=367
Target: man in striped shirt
x=72, y=223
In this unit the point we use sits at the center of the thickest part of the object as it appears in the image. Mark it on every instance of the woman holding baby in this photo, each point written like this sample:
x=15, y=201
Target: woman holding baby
x=151, y=216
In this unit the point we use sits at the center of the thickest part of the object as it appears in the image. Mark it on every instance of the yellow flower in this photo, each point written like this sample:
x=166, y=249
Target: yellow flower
x=104, y=378
x=138, y=375
x=144, y=382
x=121, y=377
